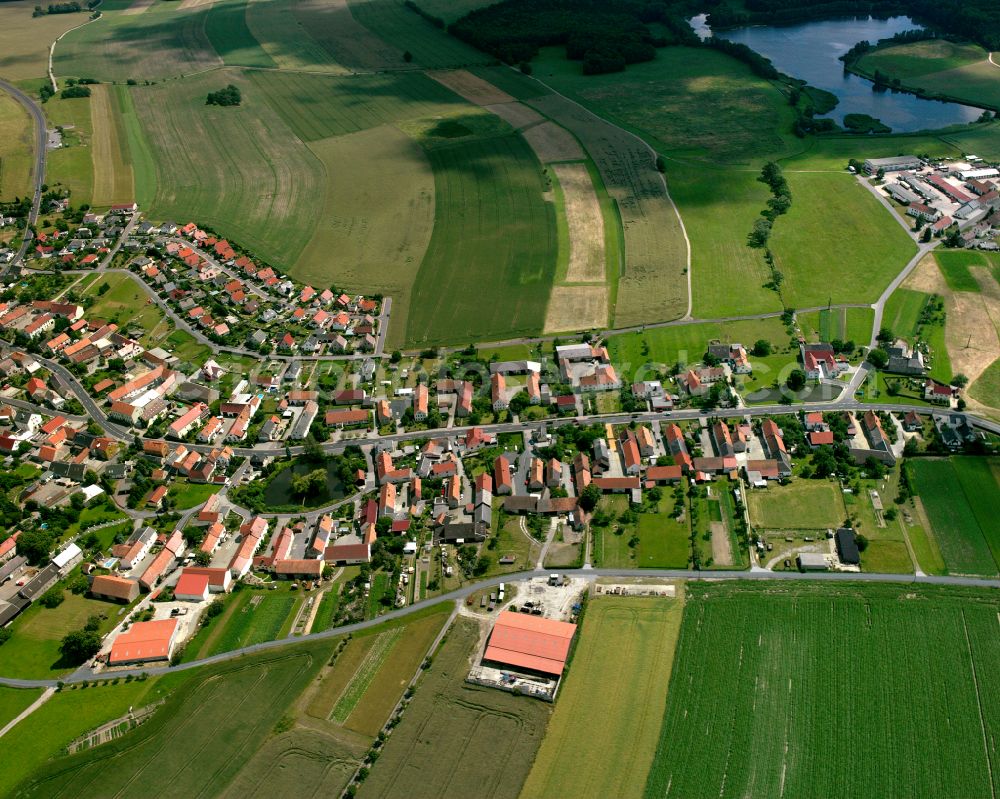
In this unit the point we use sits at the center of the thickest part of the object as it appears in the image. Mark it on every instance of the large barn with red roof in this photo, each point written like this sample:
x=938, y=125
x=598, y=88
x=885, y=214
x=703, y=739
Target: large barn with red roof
x=529, y=643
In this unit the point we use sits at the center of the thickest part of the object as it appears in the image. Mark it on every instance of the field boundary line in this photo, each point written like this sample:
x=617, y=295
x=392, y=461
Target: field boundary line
x=979, y=706
x=663, y=180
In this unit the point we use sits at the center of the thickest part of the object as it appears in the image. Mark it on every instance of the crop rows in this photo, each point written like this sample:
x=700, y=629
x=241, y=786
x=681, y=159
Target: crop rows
x=365, y=674
x=873, y=692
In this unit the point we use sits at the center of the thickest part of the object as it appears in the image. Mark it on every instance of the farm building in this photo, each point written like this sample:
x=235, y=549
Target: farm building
x=143, y=642
x=192, y=587
x=812, y=561
x=529, y=643
x=847, y=547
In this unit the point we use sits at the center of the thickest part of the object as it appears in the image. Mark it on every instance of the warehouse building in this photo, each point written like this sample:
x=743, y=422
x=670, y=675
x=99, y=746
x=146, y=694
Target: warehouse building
x=530, y=644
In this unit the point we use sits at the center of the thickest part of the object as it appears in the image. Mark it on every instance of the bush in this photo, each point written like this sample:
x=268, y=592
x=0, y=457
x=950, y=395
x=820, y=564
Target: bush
x=75, y=91
x=52, y=598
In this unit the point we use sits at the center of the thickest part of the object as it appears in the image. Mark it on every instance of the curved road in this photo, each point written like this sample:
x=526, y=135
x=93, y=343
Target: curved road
x=462, y=593
x=38, y=173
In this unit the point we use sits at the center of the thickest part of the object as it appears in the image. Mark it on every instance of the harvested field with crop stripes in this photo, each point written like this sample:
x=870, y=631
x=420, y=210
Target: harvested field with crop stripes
x=457, y=739
x=113, y=180
x=835, y=691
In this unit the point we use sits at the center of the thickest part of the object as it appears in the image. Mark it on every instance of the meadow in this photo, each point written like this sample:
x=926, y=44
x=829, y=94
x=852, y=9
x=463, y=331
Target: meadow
x=954, y=265
x=959, y=496
x=458, y=739
x=72, y=165
x=603, y=729
x=836, y=227
x=951, y=69
x=228, y=31
x=215, y=722
x=986, y=389
x=660, y=541
x=16, y=143
x=162, y=42
x=112, y=162
x=250, y=617
x=834, y=691
x=805, y=504
x=636, y=355
x=285, y=39
x=902, y=311
x=494, y=239
x=846, y=324
x=14, y=700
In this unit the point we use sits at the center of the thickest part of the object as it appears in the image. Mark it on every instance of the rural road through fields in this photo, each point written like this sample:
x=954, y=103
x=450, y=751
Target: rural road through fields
x=38, y=170
x=462, y=593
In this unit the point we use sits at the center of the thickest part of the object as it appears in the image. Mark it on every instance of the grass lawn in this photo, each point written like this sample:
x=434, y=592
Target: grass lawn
x=379, y=587
x=14, y=700
x=72, y=165
x=926, y=549
x=499, y=247
x=602, y=728
x=656, y=540
x=633, y=353
x=511, y=540
x=778, y=653
x=955, y=265
x=846, y=324
x=836, y=226
x=959, y=496
x=33, y=650
x=806, y=504
x=16, y=142
x=887, y=557
x=187, y=495
x=479, y=736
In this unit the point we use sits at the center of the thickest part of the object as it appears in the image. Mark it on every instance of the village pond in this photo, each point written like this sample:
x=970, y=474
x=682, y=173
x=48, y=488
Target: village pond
x=811, y=51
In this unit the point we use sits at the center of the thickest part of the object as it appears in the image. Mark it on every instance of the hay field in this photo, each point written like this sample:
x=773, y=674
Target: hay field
x=16, y=146
x=349, y=43
x=836, y=227
x=491, y=259
x=470, y=87
x=576, y=308
x=113, y=178
x=606, y=728
x=164, y=41
x=25, y=40
x=916, y=724
x=317, y=107
x=366, y=238
x=249, y=176
x=652, y=286
x=285, y=39
x=457, y=739
x=586, y=224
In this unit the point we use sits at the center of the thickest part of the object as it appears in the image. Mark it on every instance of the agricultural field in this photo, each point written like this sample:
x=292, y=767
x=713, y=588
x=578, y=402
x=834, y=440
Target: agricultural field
x=72, y=165
x=252, y=616
x=845, y=324
x=902, y=311
x=959, y=497
x=227, y=28
x=650, y=540
x=13, y=701
x=244, y=701
x=16, y=143
x=603, y=729
x=24, y=39
x=803, y=504
x=954, y=265
x=33, y=649
x=664, y=346
x=113, y=179
x=165, y=41
x=938, y=67
x=799, y=721
x=500, y=249
x=987, y=388
x=813, y=239
x=249, y=176
x=457, y=739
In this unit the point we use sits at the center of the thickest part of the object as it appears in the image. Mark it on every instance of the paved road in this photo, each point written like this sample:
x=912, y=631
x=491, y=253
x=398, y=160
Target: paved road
x=38, y=173
x=462, y=593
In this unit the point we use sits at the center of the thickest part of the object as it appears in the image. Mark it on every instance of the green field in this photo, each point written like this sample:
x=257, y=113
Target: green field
x=960, y=71
x=656, y=540
x=456, y=738
x=251, y=617
x=188, y=495
x=215, y=723
x=986, y=389
x=846, y=324
x=688, y=343
x=163, y=41
x=843, y=691
x=125, y=303
x=805, y=504
x=13, y=701
x=33, y=650
x=604, y=729
x=25, y=39
x=836, y=227
x=494, y=240
x=960, y=498
x=72, y=165
x=902, y=311
x=955, y=265
x=249, y=176
x=227, y=29
x=16, y=142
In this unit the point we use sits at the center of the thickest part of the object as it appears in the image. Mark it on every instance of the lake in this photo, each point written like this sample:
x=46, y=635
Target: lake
x=279, y=489
x=811, y=51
